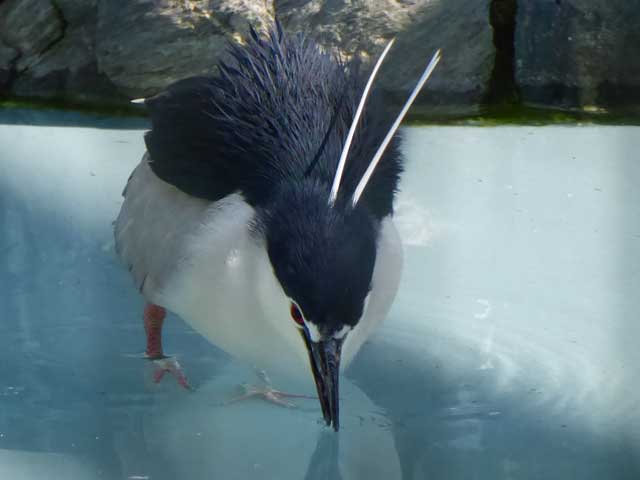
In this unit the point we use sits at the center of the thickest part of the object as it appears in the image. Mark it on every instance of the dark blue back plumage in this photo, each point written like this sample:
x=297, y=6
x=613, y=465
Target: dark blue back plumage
x=278, y=111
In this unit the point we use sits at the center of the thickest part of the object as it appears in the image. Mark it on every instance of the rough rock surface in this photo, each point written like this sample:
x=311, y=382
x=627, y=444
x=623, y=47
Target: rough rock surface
x=109, y=50
x=459, y=84
x=577, y=54
x=143, y=45
x=29, y=26
x=460, y=28
x=55, y=45
x=8, y=56
x=568, y=53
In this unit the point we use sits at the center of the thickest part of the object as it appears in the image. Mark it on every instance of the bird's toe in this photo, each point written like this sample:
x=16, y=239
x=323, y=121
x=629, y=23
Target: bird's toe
x=170, y=365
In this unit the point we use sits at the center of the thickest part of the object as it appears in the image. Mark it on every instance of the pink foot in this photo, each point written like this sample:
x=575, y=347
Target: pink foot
x=153, y=321
x=169, y=365
x=267, y=393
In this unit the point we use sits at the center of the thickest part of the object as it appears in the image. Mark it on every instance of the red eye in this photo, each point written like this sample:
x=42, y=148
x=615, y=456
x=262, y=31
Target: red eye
x=296, y=314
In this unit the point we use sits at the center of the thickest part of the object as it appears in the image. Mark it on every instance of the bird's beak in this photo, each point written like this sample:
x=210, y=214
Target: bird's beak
x=324, y=357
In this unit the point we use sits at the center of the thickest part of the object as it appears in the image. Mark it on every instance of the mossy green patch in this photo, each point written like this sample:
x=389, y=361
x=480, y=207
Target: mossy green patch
x=102, y=110
x=494, y=116
x=489, y=116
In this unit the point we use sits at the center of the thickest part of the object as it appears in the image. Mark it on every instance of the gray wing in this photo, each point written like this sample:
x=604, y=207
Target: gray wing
x=150, y=233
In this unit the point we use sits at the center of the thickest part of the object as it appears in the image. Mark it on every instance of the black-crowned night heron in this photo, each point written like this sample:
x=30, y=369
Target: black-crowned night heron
x=262, y=210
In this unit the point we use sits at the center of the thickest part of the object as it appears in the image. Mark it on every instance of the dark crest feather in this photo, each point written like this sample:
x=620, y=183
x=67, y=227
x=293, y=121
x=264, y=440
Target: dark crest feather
x=278, y=111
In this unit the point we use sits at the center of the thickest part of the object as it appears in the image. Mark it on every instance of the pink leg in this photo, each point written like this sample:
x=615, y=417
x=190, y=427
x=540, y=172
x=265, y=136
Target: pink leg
x=153, y=320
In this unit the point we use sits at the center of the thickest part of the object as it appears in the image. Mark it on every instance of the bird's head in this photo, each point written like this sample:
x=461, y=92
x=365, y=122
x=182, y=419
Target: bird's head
x=322, y=247
x=323, y=258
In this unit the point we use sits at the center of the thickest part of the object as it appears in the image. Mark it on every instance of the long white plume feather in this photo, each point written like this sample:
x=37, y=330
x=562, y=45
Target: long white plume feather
x=347, y=144
x=376, y=158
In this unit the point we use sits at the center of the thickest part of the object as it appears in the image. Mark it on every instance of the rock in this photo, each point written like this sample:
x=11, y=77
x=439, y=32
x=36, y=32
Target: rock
x=346, y=26
x=68, y=71
x=7, y=57
x=108, y=51
x=29, y=26
x=144, y=45
x=461, y=30
x=459, y=84
x=577, y=54
x=56, y=50
x=77, y=13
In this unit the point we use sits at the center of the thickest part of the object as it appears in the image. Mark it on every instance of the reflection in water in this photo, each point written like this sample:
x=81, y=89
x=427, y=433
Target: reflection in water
x=200, y=434
x=325, y=459
x=510, y=353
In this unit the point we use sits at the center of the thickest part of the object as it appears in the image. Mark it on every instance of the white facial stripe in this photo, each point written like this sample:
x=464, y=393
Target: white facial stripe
x=314, y=333
x=342, y=332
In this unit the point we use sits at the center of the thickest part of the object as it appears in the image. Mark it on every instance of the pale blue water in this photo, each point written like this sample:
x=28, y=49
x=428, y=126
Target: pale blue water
x=512, y=351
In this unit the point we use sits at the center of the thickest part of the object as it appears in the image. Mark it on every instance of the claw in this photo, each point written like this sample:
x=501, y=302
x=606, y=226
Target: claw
x=267, y=392
x=170, y=365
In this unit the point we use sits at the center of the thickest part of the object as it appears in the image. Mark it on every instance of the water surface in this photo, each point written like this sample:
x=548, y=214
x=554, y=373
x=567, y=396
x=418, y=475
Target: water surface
x=510, y=353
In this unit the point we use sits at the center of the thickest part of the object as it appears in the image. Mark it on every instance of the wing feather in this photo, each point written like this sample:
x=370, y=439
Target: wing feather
x=279, y=110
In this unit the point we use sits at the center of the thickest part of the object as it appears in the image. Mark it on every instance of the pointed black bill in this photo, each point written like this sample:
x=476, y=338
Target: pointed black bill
x=324, y=357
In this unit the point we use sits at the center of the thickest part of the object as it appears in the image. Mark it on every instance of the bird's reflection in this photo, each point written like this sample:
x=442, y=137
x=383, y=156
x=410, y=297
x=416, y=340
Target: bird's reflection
x=324, y=462
x=197, y=437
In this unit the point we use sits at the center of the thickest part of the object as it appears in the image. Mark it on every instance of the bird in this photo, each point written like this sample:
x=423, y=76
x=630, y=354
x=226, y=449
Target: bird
x=262, y=210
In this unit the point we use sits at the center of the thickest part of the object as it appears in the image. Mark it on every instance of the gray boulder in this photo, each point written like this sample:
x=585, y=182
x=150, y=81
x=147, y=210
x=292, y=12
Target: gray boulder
x=460, y=28
x=30, y=27
x=578, y=54
x=55, y=45
x=27, y=27
x=108, y=51
x=143, y=45
x=8, y=56
x=459, y=85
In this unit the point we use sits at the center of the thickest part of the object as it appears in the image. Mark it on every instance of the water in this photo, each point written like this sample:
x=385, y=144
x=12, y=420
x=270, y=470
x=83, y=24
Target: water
x=510, y=353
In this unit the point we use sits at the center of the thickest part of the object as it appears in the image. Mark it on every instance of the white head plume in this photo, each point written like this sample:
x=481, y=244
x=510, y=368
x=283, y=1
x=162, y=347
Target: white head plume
x=347, y=144
x=376, y=158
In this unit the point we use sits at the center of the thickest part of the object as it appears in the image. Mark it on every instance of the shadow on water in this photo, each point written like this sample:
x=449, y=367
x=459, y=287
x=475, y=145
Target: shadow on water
x=72, y=340
x=457, y=426
x=626, y=278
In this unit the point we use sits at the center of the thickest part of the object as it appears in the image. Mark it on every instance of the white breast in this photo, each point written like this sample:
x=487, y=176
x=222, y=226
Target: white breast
x=226, y=290
x=200, y=260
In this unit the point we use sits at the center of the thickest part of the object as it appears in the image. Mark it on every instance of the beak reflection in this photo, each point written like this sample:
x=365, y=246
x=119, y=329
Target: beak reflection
x=324, y=357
